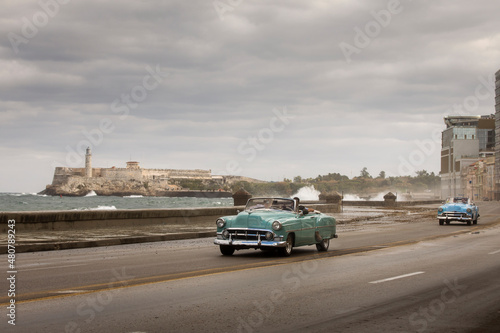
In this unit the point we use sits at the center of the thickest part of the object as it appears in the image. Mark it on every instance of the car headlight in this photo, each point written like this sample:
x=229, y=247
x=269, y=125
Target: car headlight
x=440, y=210
x=225, y=234
x=277, y=225
x=220, y=223
x=269, y=236
x=469, y=210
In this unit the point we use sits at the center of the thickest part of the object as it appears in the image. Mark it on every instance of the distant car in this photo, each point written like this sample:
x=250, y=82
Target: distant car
x=274, y=223
x=458, y=209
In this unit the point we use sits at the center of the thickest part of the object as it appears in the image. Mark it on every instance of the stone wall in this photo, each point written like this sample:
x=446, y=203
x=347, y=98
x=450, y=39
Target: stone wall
x=79, y=220
x=361, y=203
x=61, y=174
x=121, y=174
x=176, y=174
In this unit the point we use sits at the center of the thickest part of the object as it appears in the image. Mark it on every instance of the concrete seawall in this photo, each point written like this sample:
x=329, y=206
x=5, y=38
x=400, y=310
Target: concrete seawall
x=362, y=203
x=78, y=220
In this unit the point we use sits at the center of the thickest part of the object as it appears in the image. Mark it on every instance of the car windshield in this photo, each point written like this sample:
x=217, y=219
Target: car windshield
x=458, y=200
x=270, y=203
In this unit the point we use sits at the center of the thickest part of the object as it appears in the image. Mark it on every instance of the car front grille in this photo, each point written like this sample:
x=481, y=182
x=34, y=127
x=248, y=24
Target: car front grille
x=455, y=214
x=247, y=234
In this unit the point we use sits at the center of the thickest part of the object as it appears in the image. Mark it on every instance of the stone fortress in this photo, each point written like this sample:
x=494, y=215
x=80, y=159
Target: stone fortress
x=133, y=180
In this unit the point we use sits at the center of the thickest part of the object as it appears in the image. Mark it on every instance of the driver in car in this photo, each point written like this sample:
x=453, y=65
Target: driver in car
x=301, y=207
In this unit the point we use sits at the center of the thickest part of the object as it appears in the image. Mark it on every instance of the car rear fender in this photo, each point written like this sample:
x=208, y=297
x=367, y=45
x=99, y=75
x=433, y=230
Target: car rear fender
x=326, y=227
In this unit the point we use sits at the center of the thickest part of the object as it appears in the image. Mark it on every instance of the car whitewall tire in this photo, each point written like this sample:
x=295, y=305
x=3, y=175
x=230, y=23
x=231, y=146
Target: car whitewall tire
x=287, y=250
x=323, y=245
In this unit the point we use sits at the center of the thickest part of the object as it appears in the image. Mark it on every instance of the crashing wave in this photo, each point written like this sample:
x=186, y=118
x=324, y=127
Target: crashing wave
x=307, y=193
x=104, y=208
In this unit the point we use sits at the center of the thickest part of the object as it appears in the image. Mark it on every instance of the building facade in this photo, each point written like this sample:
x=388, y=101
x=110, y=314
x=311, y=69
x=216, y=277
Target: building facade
x=497, y=135
x=478, y=179
x=465, y=141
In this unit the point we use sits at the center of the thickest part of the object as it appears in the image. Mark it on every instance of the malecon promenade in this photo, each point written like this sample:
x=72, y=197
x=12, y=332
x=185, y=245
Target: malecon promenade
x=56, y=230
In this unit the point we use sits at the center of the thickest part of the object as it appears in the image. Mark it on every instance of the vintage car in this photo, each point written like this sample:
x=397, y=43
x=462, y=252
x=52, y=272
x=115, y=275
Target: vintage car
x=274, y=223
x=458, y=209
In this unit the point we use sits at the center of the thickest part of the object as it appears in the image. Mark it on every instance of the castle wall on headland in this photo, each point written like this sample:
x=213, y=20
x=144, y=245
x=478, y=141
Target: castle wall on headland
x=131, y=180
x=62, y=174
x=121, y=174
x=176, y=174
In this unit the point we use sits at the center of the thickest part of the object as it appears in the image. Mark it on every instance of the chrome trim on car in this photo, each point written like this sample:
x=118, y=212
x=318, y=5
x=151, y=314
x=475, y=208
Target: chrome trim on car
x=250, y=244
x=249, y=237
x=457, y=216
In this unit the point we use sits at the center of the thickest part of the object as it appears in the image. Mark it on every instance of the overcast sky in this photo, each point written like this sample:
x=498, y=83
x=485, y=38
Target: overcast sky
x=264, y=89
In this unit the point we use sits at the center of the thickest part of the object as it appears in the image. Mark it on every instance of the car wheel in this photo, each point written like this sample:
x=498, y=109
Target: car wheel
x=226, y=250
x=448, y=222
x=469, y=222
x=287, y=250
x=323, y=245
x=441, y=222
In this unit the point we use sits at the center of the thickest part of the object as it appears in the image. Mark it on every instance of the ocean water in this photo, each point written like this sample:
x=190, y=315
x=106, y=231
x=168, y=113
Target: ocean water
x=32, y=202
x=11, y=202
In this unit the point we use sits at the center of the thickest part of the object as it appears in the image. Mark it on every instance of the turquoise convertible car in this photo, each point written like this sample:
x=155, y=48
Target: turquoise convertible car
x=274, y=223
x=458, y=209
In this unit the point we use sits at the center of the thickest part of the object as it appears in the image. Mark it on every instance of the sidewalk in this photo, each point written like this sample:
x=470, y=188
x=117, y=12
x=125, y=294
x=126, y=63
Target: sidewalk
x=47, y=240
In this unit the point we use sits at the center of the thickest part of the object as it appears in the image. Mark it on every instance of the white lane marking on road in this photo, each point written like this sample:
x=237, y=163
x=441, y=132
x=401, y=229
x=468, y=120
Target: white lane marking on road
x=397, y=277
x=495, y=252
x=71, y=291
x=53, y=267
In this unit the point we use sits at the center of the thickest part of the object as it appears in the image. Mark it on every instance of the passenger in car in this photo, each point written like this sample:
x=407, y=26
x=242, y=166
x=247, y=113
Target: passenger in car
x=302, y=208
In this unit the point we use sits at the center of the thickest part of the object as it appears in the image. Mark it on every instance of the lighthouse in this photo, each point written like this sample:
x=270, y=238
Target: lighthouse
x=88, y=163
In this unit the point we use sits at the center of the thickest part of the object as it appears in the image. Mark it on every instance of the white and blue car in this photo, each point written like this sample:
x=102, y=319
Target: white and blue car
x=458, y=209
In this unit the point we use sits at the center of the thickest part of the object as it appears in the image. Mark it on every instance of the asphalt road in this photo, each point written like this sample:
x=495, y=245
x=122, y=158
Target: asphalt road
x=400, y=277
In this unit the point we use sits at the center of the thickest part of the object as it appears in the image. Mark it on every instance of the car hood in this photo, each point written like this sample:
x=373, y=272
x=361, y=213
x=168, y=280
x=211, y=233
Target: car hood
x=258, y=220
x=455, y=207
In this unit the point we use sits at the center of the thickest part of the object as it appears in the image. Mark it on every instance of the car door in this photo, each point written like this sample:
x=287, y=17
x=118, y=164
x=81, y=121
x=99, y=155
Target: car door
x=306, y=234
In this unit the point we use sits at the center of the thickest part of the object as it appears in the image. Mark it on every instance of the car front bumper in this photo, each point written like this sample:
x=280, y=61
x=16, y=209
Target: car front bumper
x=454, y=218
x=249, y=243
